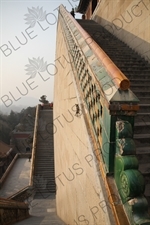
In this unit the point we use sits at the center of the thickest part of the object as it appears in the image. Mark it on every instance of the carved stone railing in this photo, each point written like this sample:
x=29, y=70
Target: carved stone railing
x=108, y=100
x=104, y=88
x=22, y=194
x=31, y=183
x=129, y=180
x=12, y=211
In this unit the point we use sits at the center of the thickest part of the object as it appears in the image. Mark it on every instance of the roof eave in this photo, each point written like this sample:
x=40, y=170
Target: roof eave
x=82, y=7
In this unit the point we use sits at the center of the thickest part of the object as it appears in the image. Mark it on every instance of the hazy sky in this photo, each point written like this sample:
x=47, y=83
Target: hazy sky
x=27, y=46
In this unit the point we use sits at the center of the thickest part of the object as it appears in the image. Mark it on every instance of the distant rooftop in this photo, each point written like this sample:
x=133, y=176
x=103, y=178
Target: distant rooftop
x=4, y=148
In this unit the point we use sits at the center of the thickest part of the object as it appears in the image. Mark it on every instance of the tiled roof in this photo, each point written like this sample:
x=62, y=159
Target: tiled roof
x=4, y=148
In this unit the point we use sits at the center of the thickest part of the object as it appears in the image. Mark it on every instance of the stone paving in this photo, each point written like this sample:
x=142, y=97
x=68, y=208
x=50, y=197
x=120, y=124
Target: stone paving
x=43, y=212
x=17, y=179
x=42, y=207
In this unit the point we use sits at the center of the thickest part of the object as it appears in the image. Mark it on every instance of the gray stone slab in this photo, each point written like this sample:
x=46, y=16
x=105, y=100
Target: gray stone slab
x=17, y=179
x=43, y=212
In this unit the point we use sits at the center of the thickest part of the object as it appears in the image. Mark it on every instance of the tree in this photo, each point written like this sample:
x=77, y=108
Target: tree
x=13, y=118
x=5, y=131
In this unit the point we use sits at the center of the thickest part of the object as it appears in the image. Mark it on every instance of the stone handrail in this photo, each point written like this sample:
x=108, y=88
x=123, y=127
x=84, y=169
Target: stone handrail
x=120, y=80
x=100, y=117
x=22, y=194
x=6, y=203
x=34, y=145
x=12, y=211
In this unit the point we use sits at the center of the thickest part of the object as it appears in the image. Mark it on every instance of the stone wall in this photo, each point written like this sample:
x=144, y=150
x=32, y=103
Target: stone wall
x=129, y=20
x=81, y=197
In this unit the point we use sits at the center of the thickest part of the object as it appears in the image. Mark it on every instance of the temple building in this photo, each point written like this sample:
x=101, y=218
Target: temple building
x=7, y=154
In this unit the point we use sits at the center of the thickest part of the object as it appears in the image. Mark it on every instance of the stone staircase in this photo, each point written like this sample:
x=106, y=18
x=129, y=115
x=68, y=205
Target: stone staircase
x=137, y=69
x=43, y=205
x=44, y=178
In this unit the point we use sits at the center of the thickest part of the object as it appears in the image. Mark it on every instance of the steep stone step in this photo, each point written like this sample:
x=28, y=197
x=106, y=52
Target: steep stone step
x=144, y=99
x=142, y=127
x=46, y=170
x=140, y=81
x=141, y=93
x=143, y=150
x=44, y=160
x=145, y=108
x=135, y=85
x=137, y=69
